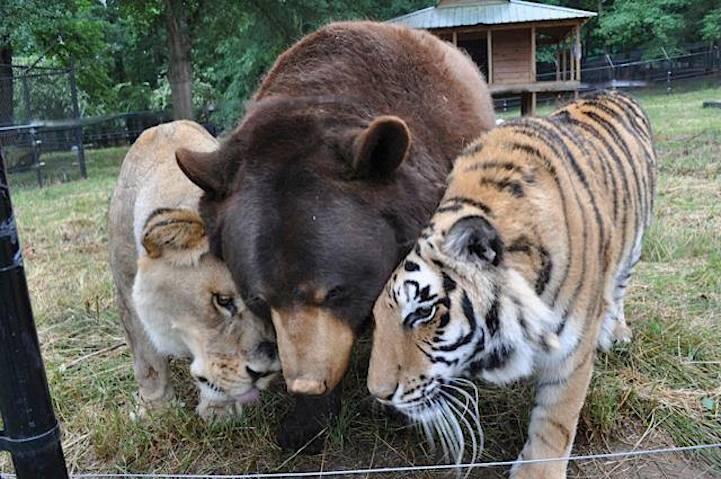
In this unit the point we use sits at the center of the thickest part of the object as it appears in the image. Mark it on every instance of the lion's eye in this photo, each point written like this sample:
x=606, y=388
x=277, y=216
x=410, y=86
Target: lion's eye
x=420, y=315
x=225, y=302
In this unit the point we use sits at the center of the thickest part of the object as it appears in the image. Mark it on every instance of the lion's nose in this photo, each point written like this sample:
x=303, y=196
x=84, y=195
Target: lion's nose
x=256, y=375
x=268, y=349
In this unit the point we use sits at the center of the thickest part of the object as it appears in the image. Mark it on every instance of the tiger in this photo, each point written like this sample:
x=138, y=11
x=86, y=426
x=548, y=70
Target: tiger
x=520, y=272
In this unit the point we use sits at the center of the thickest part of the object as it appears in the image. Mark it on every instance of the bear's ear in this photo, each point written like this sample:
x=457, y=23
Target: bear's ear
x=381, y=148
x=175, y=234
x=211, y=171
x=474, y=238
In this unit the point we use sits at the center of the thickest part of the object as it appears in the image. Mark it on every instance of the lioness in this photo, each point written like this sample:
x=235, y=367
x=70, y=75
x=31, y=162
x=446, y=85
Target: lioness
x=175, y=297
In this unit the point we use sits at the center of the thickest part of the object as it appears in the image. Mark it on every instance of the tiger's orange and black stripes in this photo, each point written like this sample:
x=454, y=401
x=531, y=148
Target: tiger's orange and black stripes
x=521, y=271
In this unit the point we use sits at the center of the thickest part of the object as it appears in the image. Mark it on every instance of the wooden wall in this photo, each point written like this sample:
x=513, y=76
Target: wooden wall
x=512, y=56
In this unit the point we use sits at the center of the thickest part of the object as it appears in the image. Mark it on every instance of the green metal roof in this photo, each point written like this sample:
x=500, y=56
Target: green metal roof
x=488, y=13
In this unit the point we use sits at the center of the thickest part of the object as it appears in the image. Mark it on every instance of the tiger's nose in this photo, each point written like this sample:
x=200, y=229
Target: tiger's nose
x=256, y=375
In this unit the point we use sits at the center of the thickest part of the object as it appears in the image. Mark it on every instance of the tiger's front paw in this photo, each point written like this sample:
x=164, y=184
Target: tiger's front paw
x=549, y=470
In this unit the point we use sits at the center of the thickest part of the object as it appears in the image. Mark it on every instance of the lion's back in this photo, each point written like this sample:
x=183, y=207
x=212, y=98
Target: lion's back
x=150, y=179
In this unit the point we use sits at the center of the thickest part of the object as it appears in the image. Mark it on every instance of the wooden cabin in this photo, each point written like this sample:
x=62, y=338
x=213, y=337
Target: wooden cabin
x=504, y=37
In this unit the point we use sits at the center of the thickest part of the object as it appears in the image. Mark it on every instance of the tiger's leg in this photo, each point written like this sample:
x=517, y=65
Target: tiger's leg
x=560, y=393
x=622, y=333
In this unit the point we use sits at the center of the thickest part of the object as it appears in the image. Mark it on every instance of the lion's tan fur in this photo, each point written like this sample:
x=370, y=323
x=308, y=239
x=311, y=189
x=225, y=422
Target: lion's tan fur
x=166, y=279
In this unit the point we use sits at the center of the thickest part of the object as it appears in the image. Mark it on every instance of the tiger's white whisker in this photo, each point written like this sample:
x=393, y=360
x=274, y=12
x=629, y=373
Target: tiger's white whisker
x=474, y=443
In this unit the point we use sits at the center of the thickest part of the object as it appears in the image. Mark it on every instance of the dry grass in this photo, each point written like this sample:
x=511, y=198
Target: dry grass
x=664, y=388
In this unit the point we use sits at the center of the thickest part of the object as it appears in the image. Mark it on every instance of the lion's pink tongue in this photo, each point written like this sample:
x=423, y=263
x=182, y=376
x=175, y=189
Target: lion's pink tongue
x=248, y=397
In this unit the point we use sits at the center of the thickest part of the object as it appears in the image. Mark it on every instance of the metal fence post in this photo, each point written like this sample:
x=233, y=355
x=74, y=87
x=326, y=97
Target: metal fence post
x=34, y=144
x=26, y=98
x=31, y=433
x=76, y=114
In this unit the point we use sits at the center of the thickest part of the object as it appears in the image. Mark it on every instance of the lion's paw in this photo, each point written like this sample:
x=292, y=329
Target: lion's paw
x=143, y=407
x=213, y=410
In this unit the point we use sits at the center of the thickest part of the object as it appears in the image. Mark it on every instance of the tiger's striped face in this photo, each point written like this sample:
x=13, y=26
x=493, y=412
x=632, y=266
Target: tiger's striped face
x=454, y=309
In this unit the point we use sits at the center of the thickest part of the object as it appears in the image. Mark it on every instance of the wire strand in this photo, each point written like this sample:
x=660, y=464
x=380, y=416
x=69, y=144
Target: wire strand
x=386, y=470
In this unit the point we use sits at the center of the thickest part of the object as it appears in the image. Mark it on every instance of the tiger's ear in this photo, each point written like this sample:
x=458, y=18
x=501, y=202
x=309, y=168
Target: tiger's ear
x=176, y=235
x=211, y=171
x=381, y=147
x=474, y=238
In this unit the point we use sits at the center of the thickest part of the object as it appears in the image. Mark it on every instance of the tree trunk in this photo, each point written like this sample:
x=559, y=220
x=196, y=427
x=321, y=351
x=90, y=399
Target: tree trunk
x=6, y=82
x=180, y=70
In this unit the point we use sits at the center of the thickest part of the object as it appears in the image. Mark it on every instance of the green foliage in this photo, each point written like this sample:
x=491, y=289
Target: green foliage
x=120, y=47
x=241, y=41
x=55, y=31
x=711, y=25
x=654, y=24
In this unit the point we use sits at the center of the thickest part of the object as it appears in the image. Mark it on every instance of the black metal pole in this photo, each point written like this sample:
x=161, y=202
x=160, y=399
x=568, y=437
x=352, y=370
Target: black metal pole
x=76, y=114
x=31, y=433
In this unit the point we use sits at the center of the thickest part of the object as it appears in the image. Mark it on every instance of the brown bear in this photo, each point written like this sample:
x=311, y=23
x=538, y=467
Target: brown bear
x=314, y=198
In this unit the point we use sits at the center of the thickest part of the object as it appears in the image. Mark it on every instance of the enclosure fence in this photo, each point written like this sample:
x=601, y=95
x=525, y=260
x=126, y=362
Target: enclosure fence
x=402, y=469
x=39, y=121
x=634, y=69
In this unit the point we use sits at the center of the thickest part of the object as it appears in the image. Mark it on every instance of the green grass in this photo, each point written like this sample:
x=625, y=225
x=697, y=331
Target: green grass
x=662, y=389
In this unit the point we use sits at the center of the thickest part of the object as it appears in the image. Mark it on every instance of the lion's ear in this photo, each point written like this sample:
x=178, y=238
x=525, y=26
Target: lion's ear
x=177, y=235
x=212, y=171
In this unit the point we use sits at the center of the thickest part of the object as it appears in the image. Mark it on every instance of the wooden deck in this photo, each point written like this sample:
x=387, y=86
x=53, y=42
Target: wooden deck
x=535, y=87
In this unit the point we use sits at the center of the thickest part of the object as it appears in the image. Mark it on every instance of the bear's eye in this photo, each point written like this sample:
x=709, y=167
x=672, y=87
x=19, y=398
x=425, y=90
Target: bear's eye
x=335, y=294
x=420, y=315
x=225, y=302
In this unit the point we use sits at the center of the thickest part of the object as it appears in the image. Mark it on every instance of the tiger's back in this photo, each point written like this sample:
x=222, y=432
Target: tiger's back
x=587, y=173
x=522, y=269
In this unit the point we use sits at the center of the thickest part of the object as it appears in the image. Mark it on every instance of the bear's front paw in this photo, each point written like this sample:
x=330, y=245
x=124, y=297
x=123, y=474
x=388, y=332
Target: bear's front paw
x=304, y=428
x=299, y=432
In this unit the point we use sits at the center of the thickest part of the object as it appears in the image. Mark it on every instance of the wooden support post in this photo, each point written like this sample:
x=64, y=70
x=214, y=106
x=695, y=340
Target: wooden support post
x=563, y=64
x=558, y=64
x=578, y=53
x=533, y=54
x=528, y=103
x=455, y=39
x=489, y=38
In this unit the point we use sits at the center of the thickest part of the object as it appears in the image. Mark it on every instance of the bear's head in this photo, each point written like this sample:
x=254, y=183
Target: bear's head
x=310, y=203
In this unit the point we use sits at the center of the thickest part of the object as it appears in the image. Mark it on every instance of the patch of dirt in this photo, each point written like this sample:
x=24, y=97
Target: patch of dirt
x=678, y=465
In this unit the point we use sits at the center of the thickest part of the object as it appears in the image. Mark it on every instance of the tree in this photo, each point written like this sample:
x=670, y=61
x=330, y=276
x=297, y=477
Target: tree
x=6, y=81
x=180, y=68
x=51, y=32
x=656, y=24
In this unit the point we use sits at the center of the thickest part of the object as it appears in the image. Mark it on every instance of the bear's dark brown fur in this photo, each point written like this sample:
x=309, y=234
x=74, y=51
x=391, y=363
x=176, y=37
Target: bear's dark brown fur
x=336, y=166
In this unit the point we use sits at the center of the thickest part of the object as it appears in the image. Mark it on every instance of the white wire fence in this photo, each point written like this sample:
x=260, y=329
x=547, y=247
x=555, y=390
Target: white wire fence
x=378, y=471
